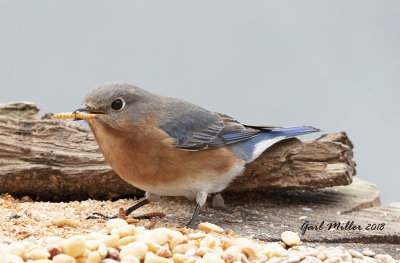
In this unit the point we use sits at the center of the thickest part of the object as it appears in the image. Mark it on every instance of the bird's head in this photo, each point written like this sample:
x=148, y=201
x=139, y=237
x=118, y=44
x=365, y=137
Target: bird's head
x=117, y=105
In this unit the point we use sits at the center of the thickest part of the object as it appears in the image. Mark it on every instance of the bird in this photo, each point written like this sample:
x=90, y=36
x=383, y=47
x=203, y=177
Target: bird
x=170, y=147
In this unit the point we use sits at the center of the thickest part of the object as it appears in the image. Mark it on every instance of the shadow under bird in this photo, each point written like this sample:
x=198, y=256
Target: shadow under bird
x=169, y=147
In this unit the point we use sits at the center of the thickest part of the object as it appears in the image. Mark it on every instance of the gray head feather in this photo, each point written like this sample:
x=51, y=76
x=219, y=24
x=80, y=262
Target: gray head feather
x=136, y=103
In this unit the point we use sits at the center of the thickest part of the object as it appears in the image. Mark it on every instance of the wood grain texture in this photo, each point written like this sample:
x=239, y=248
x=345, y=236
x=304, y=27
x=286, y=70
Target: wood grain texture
x=60, y=160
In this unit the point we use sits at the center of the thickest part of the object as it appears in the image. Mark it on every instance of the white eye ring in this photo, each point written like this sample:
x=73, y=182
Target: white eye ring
x=118, y=104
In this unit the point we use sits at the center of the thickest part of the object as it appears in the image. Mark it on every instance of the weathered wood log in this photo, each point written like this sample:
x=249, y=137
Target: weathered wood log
x=60, y=160
x=349, y=215
x=266, y=215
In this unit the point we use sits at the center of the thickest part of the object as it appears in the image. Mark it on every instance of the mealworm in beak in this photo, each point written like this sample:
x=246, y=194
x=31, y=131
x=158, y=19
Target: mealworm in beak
x=70, y=115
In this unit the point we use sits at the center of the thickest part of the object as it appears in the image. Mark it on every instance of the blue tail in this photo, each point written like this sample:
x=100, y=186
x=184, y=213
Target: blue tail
x=250, y=149
x=291, y=131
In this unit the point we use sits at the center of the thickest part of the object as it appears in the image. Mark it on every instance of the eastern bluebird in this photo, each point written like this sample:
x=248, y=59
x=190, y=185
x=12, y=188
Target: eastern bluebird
x=170, y=147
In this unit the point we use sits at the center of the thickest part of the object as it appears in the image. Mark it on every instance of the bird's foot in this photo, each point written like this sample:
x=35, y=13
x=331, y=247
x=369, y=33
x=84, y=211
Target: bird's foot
x=121, y=213
x=190, y=225
x=96, y=215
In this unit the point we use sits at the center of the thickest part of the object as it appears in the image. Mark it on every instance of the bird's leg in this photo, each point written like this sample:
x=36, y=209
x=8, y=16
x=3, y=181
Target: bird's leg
x=127, y=211
x=136, y=206
x=201, y=198
x=194, y=217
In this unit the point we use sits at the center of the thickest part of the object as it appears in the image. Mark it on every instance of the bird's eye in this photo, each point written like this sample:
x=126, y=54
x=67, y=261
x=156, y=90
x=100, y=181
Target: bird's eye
x=117, y=104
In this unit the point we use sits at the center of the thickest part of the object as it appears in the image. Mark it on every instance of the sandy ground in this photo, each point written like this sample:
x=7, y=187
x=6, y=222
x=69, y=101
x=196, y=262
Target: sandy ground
x=37, y=218
x=23, y=218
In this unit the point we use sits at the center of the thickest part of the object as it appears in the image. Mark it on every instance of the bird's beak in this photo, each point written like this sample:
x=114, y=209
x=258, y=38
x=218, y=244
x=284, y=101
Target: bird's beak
x=89, y=112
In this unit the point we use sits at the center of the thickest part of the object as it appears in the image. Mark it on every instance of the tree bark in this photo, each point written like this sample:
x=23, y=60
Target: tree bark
x=60, y=160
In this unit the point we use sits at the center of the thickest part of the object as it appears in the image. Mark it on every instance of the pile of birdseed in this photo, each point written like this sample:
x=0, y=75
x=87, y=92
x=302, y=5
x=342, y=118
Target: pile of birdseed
x=57, y=232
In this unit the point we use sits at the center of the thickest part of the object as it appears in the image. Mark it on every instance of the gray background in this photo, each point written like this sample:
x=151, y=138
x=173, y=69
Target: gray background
x=331, y=64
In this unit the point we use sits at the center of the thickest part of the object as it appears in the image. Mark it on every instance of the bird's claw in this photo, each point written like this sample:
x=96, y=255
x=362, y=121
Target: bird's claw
x=96, y=215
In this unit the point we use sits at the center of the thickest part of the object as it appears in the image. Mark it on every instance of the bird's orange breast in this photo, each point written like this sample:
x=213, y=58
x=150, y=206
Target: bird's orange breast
x=143, y=155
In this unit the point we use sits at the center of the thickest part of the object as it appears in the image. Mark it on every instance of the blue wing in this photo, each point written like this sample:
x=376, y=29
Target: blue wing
x=194, y=128
x=190, y=126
